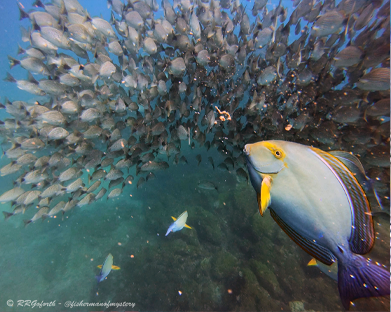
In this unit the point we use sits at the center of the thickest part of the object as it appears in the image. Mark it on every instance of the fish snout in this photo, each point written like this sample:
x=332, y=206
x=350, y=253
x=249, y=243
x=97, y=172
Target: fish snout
x=246, y=149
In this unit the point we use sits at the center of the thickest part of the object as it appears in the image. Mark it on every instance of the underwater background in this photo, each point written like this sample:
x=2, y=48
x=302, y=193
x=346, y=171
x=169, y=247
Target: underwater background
x=231, y=260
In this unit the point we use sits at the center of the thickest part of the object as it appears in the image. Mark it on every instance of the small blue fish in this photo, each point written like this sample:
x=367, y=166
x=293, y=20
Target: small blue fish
x=106, y=268
x=179, y=223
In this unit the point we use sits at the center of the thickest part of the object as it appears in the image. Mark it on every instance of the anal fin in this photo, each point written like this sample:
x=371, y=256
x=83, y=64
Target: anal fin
x=318, y=252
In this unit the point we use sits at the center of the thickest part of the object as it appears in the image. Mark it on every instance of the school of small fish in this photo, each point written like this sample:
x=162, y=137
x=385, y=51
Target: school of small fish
x=213, y=74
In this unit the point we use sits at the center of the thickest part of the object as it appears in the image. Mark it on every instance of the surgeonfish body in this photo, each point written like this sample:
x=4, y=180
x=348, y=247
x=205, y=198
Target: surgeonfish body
x=106, y=268
x=318, y=202
x=179, y=223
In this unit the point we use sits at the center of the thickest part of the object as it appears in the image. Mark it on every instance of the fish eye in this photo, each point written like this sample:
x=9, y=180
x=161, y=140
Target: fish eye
x=278, y=153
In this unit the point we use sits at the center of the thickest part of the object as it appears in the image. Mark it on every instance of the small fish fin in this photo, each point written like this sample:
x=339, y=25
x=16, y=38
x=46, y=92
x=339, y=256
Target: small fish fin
x=349, y=160
x=23, y=14
x=9, y=78
x=312, y=262
x=35, y=25
x=38, y=3
x=355, y=166
x=114, y=267
x=25, y=34
x=189, y=227
x=265, y=194
x=7, y=215
x=318, y=252
x=173, y=218
x=360, y=279
x=362, y=234
x=99, y=266
x=31, y=78
x=21, y=50
x=26, y=222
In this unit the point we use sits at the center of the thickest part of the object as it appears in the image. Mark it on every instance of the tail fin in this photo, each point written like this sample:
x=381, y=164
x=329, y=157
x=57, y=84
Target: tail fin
x=13, y=61
x=361, y=278
x=21, y=50
x=7, y=215
x=25, y=34
x=38, y=3
x=23, y=14
x=26, y=222
x=9, y=78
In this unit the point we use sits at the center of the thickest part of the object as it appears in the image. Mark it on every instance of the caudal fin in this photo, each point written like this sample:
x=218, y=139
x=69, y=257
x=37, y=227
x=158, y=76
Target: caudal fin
x=361, y=278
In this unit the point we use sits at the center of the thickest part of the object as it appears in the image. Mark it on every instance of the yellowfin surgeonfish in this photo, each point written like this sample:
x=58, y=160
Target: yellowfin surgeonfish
x=329, y=270
x=106, y=268
x=179, y=223
x=318, y=202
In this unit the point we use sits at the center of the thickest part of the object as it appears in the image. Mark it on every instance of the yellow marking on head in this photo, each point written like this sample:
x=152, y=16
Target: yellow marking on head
x=275, y=150
x=312, y=262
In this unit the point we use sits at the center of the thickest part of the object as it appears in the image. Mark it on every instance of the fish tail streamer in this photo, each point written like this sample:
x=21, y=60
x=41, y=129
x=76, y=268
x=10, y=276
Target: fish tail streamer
x=361, y=278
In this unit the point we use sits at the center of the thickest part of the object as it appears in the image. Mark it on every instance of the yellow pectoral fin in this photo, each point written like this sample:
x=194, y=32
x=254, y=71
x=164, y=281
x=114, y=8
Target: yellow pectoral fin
x=187, y=226
x=113, y=267
x=173, y=218
x=312, y=262
x=265, y=194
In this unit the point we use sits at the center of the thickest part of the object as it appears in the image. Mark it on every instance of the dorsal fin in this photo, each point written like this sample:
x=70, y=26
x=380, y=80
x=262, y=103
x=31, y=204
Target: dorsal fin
x=349, y=160
x=355, y=166
x=362, y=235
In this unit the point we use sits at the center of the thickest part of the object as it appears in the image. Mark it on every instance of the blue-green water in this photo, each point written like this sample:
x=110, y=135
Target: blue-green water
x=231, y=259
